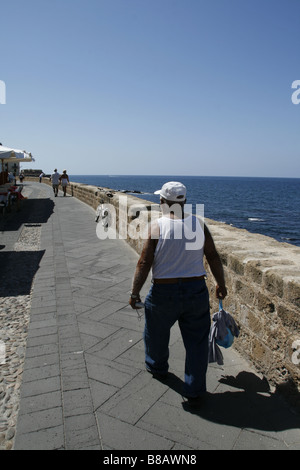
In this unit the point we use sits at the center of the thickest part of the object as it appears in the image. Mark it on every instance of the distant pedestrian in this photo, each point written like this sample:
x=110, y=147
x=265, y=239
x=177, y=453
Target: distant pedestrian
x=54, y=178
x=11, y=177
x=21, y=177
x=41, y=176
x=64, y=179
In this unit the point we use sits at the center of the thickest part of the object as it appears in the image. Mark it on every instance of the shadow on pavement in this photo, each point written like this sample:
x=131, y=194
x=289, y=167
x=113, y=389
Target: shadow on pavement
x=18, y=269
x=33, y=211
x=253, y=406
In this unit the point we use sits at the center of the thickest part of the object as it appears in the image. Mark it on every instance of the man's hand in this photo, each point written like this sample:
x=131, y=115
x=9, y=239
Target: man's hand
x=132, y=301
x=221, y=292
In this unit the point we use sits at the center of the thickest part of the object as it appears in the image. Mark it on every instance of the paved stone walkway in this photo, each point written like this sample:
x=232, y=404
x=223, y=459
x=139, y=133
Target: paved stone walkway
x=84, y=385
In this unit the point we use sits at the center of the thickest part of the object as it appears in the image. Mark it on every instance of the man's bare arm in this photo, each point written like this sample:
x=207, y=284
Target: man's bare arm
x=144, y=265
x=215, y=264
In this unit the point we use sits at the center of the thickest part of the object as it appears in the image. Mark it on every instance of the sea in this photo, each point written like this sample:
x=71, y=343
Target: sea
x=269, y=206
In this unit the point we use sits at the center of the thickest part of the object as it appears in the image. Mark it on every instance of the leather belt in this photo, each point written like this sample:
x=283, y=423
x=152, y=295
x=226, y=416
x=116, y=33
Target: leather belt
x=176, y=280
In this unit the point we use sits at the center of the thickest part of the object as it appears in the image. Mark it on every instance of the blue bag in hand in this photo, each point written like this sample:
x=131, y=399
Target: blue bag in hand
x=222, y=333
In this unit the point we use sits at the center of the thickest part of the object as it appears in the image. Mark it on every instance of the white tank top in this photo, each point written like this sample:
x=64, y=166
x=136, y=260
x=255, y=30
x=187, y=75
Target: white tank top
x=180, y=248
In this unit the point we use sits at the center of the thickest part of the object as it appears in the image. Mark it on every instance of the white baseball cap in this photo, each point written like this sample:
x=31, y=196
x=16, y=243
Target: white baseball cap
x=172, y=191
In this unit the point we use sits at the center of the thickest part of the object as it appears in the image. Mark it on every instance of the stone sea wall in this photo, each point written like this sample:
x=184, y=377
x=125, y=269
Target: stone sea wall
x=262, y=277
x=263, y=281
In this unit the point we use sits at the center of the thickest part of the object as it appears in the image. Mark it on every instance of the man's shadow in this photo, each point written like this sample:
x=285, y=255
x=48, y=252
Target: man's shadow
x=253, y=406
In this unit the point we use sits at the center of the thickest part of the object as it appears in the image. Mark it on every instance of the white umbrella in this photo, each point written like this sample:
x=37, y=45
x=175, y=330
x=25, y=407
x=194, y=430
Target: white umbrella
x=9, y=153
x=14, y=155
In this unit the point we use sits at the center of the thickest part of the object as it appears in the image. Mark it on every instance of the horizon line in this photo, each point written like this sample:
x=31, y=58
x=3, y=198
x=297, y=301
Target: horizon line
x=184, y=176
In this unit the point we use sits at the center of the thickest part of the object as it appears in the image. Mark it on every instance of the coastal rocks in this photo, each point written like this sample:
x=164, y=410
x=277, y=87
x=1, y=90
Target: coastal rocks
x=130, y=191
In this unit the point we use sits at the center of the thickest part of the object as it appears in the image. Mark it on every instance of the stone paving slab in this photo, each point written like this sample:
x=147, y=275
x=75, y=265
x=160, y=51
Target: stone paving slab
x=84, y=383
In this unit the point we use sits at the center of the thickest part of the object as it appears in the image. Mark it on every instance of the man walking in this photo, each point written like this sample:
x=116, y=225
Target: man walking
x=178, y=291
x=55, y=181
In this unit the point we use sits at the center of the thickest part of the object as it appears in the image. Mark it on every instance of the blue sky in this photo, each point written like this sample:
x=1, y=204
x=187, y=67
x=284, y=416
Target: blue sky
x=170, y=87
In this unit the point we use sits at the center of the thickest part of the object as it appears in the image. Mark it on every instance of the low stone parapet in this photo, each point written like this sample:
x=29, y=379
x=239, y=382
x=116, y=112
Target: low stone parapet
x=263, y=281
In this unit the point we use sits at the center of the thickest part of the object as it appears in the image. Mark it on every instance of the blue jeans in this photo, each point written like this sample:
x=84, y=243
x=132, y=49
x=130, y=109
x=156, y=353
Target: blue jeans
x=187, y=303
